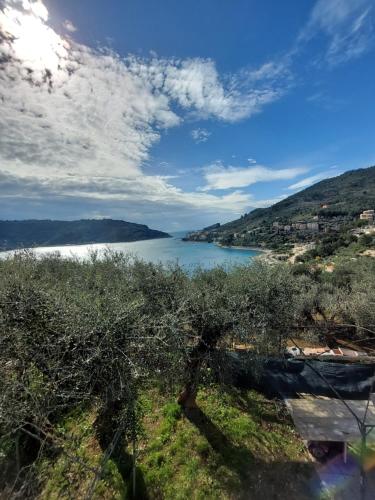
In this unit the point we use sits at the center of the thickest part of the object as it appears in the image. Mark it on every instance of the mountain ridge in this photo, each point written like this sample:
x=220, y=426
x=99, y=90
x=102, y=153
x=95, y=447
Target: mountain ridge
x=35, y=232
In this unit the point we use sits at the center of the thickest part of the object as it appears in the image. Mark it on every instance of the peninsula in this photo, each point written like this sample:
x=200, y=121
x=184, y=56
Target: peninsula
x=30, y=233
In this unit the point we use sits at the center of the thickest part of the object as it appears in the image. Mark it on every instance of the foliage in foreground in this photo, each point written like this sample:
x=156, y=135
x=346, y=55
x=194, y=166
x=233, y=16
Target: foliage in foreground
x=78, y=335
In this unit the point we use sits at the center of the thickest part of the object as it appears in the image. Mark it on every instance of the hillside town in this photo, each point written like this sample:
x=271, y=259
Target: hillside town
x=306, y=229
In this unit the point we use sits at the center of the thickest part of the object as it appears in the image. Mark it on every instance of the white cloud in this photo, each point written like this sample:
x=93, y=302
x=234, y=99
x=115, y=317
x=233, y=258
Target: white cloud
x=200, y=135
x=80, y=123
x=219, y=177
x=267, y=203
x=272, y=70
x=308, y=181
x=69, y=26
x=347, y=24
x=36, y=7
x=196, y=86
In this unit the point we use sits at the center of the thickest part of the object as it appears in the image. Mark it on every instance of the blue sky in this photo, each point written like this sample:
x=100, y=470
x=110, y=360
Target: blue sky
x=180, y=114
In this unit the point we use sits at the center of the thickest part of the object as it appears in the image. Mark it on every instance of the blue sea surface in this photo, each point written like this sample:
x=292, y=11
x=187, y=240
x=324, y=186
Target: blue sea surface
x=189, y=254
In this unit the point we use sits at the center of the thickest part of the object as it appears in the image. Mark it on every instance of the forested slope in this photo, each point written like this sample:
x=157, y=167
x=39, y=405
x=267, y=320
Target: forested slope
x=347, y=194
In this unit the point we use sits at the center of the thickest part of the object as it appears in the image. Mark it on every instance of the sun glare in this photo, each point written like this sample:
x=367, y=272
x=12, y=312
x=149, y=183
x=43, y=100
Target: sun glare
x=35, y=43
x=37, y=8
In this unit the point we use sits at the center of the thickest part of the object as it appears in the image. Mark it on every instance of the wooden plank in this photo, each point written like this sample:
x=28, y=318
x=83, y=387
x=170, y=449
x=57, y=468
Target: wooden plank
x=329, y=419
x=333, y=408
x=346, y=430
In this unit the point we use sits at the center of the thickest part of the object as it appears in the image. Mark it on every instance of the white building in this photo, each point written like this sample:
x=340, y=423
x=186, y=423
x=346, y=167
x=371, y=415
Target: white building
x=368, y=215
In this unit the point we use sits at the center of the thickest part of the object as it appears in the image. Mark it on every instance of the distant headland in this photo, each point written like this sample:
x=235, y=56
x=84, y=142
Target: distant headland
x=30, y=233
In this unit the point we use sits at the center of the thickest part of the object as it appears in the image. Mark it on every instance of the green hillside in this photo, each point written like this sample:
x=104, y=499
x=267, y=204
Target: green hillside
x=346, y=195
x=328, y=209
x=29, y=233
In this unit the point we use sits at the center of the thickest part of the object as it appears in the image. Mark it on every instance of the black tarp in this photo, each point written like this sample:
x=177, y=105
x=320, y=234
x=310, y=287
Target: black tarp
x=287, y=377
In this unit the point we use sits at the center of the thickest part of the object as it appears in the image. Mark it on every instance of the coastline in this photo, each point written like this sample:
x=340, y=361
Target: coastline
x=235, y=247
x=265, y=254
x=268, y=256
x=63, y=245
x=262, y=250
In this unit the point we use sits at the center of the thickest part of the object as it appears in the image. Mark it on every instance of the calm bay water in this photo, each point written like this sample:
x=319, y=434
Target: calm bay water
x=188, y=254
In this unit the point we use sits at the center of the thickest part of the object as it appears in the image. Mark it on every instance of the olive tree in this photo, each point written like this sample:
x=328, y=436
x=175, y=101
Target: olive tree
x=83, y=333
x=257, y=304
x=207, y=316
x=266, y=298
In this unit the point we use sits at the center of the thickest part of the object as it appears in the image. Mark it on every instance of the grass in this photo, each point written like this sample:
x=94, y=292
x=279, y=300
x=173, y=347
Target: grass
x=235, y=445
x=66, y=477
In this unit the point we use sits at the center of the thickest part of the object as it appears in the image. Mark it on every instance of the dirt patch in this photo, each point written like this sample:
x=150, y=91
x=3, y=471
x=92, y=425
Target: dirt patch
x=368, y=253
x=299, y=250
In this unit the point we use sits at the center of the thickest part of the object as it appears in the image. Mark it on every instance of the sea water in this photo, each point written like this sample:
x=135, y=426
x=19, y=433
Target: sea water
x=188, y=254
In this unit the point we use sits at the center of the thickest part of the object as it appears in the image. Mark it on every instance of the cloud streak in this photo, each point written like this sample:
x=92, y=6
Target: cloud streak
x=308, y=181
x=219, y=177
x=348, y=26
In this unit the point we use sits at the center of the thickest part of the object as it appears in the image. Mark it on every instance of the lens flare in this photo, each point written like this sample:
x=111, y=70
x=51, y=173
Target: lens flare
x=335, y=476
